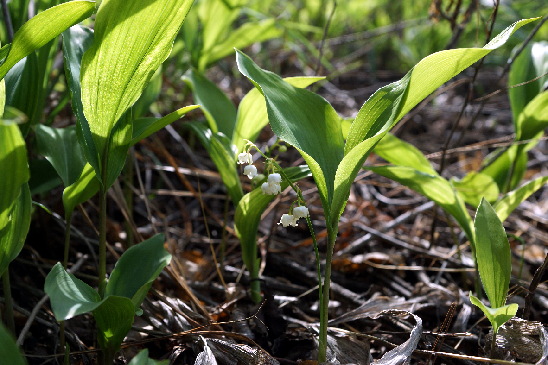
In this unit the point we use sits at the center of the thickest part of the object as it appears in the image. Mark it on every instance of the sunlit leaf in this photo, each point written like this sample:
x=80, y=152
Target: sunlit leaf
x=132, y=39
x=69, y=295
x=252, y=114
x=434, y=187
x=534, y=118
x=492, y=254
x=23, y=90
x=144, y=127
x=44, y=27
x=303, y=119
x=218, y=109
x=13, y=159
x=137, y=268
x=114, y=318
x=497, y=316
x=510, y=201
x=474, y=186
x=83, y=189
x=12, y=237
x=142, y=359
x=398, y=152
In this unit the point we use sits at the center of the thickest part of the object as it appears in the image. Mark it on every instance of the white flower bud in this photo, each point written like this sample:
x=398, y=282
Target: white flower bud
x=275, y=178
x=300, y=212
x=288, y=220
x=250, y=171
x=245, y=157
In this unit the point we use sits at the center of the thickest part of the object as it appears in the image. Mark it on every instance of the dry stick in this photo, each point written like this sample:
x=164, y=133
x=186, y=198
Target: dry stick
x=533, y=286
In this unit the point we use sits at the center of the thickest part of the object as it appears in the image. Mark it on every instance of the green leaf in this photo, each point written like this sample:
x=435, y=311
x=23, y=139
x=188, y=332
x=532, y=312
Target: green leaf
x=13, y=159
x=132, y=39
x=530, y=64
x=303, y=119
x=114, y=318
x=144, y=127
x=69, y=295
x=137, y=268
x=118, y=145
x=223, y=156
x=506, y=165
x=533, y=119
x=44, y=27
x=252, y=114
x=398, y=152
x=23, y=90
x=60, y=147
x=9, y=352
x=142, y=359
x=248, y=216
x=218, y=109
x=12, y=237
x=497, y=316
x=244, y=36
x=492, y=254
x=510, y=201
x=149, y=95
x=435, y=188
x=474, y=186
x=83, y=189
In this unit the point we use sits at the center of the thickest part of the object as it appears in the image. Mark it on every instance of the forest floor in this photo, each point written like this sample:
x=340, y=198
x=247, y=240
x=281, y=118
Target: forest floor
x=396, y=252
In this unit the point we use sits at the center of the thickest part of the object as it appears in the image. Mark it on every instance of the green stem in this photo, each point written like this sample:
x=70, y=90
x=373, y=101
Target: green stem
x=324, y=295
x=8, y=301
x=128, y=195
x=68, y=221
x=102, y=269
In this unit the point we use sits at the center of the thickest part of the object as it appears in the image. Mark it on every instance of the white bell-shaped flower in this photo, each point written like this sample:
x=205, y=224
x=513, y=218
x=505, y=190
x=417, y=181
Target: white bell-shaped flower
x=245, y=158
x=288, y=220
x=250, y=171
x=275, y=178
x=300, y=212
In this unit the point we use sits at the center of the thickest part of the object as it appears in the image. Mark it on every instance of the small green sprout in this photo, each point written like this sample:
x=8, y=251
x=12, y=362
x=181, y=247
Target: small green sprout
x=494, y=265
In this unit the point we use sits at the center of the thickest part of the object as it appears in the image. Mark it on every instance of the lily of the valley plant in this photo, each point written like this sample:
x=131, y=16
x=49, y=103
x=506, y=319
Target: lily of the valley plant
x=310, y=124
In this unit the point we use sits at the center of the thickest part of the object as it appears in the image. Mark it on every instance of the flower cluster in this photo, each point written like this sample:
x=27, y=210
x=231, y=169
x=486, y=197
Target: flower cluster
x=250, y=170
x=273, y=185
x=291, y=219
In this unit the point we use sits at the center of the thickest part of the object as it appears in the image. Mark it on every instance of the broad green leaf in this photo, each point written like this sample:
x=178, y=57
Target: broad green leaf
x=22, y=86
x=248, y=216
x=510, y=201
x=137, y=268
x=76, y=40
x=44, y=27
x=118, y=145
x=83, y=189
x=149, y=95
x=390, y=103
x=252, y=114
x=474, y=186
x=398, y=152
x=530, y=64
x=114, y=318
x=144, y=127
x=244, y=36
x=497, y=316
x=533, y=119
x=142, y=359
x=69, y=295
x=223, y=156
x=9, y=352
x=43, y=177
x=12, y=237
x=60, y=147
x=218, y=109
x=435, y=188
x=132, y=39
x=507, y=167
x=13, y=159
x=492, y=254
x=303, y=119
